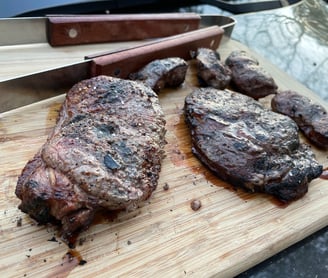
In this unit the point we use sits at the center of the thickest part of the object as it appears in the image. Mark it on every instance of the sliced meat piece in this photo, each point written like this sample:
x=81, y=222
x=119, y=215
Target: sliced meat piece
x=311, y=118
x=161, y=73
x=249, y=77
x=104, y=153
x=210, y=70
x=248, y=145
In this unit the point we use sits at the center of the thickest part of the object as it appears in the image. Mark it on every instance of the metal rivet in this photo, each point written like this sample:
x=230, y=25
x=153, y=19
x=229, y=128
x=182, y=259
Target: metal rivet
x=72, y=33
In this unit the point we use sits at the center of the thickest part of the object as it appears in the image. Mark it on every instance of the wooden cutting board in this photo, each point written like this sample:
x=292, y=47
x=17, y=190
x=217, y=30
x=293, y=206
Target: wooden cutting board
x=232, y=231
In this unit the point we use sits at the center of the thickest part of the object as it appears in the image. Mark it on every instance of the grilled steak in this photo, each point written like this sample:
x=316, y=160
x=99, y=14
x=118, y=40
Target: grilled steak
x=161, y=73
x=248, y=145
x=311, y=118
x=248, y=77
x=104, y=153
x=210, y=70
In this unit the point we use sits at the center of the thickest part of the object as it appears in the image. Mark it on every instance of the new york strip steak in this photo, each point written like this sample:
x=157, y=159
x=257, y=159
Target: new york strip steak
x=104, y=153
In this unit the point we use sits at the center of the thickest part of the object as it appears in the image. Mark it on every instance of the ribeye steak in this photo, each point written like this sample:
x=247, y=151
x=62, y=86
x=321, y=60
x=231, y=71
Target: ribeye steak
x=248, y=145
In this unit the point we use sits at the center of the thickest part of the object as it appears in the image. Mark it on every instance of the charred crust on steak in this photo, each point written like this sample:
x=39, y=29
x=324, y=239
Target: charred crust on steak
x=248, y=77
x=248, y=145
x=210, y=70
x=110, y=162
x=161, y=73
x=104, y=153
x=311, y=117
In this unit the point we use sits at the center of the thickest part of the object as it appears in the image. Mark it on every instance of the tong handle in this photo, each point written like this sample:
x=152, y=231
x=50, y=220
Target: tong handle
x=74, y=30
x=121, y=64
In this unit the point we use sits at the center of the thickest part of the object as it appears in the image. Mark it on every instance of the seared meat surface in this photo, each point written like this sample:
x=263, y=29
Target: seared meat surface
x=249, y=146
x=161, y=73
x=104, y=153
x=210, y=70
x=311, y=118
x=248, y=77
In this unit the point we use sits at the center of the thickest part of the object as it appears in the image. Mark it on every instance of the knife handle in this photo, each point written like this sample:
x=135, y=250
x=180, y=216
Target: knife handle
x=73, y=30
x=121, y=64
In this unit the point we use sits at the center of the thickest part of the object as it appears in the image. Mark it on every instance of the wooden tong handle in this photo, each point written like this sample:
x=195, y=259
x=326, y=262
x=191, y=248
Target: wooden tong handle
x=121, y=64
x=73, y=30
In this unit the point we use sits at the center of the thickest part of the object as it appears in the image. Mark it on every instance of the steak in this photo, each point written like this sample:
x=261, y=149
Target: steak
x=161, y=73
x=310, y=117
x=248, y=145
x=248, y=77
x=210, y=70
x=104, y=153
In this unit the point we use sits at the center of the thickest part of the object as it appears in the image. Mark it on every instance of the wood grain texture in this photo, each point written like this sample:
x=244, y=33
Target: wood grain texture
x=115, y=64
x=231, y=232
x=74, y=30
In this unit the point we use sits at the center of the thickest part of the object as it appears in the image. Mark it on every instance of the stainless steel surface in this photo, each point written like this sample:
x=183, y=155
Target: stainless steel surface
x=225, y=22
x=25, y=30
x=246, y=6
x=41, y=85
x=44, y=84
x=22, y=30
x=294, y=38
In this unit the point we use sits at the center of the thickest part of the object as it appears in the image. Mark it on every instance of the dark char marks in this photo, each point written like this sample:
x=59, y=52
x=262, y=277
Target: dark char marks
x=210, y=70
x=311, y=117
x=249, y=146
x=104, y=153
x=248, y=77
x=162, y=73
